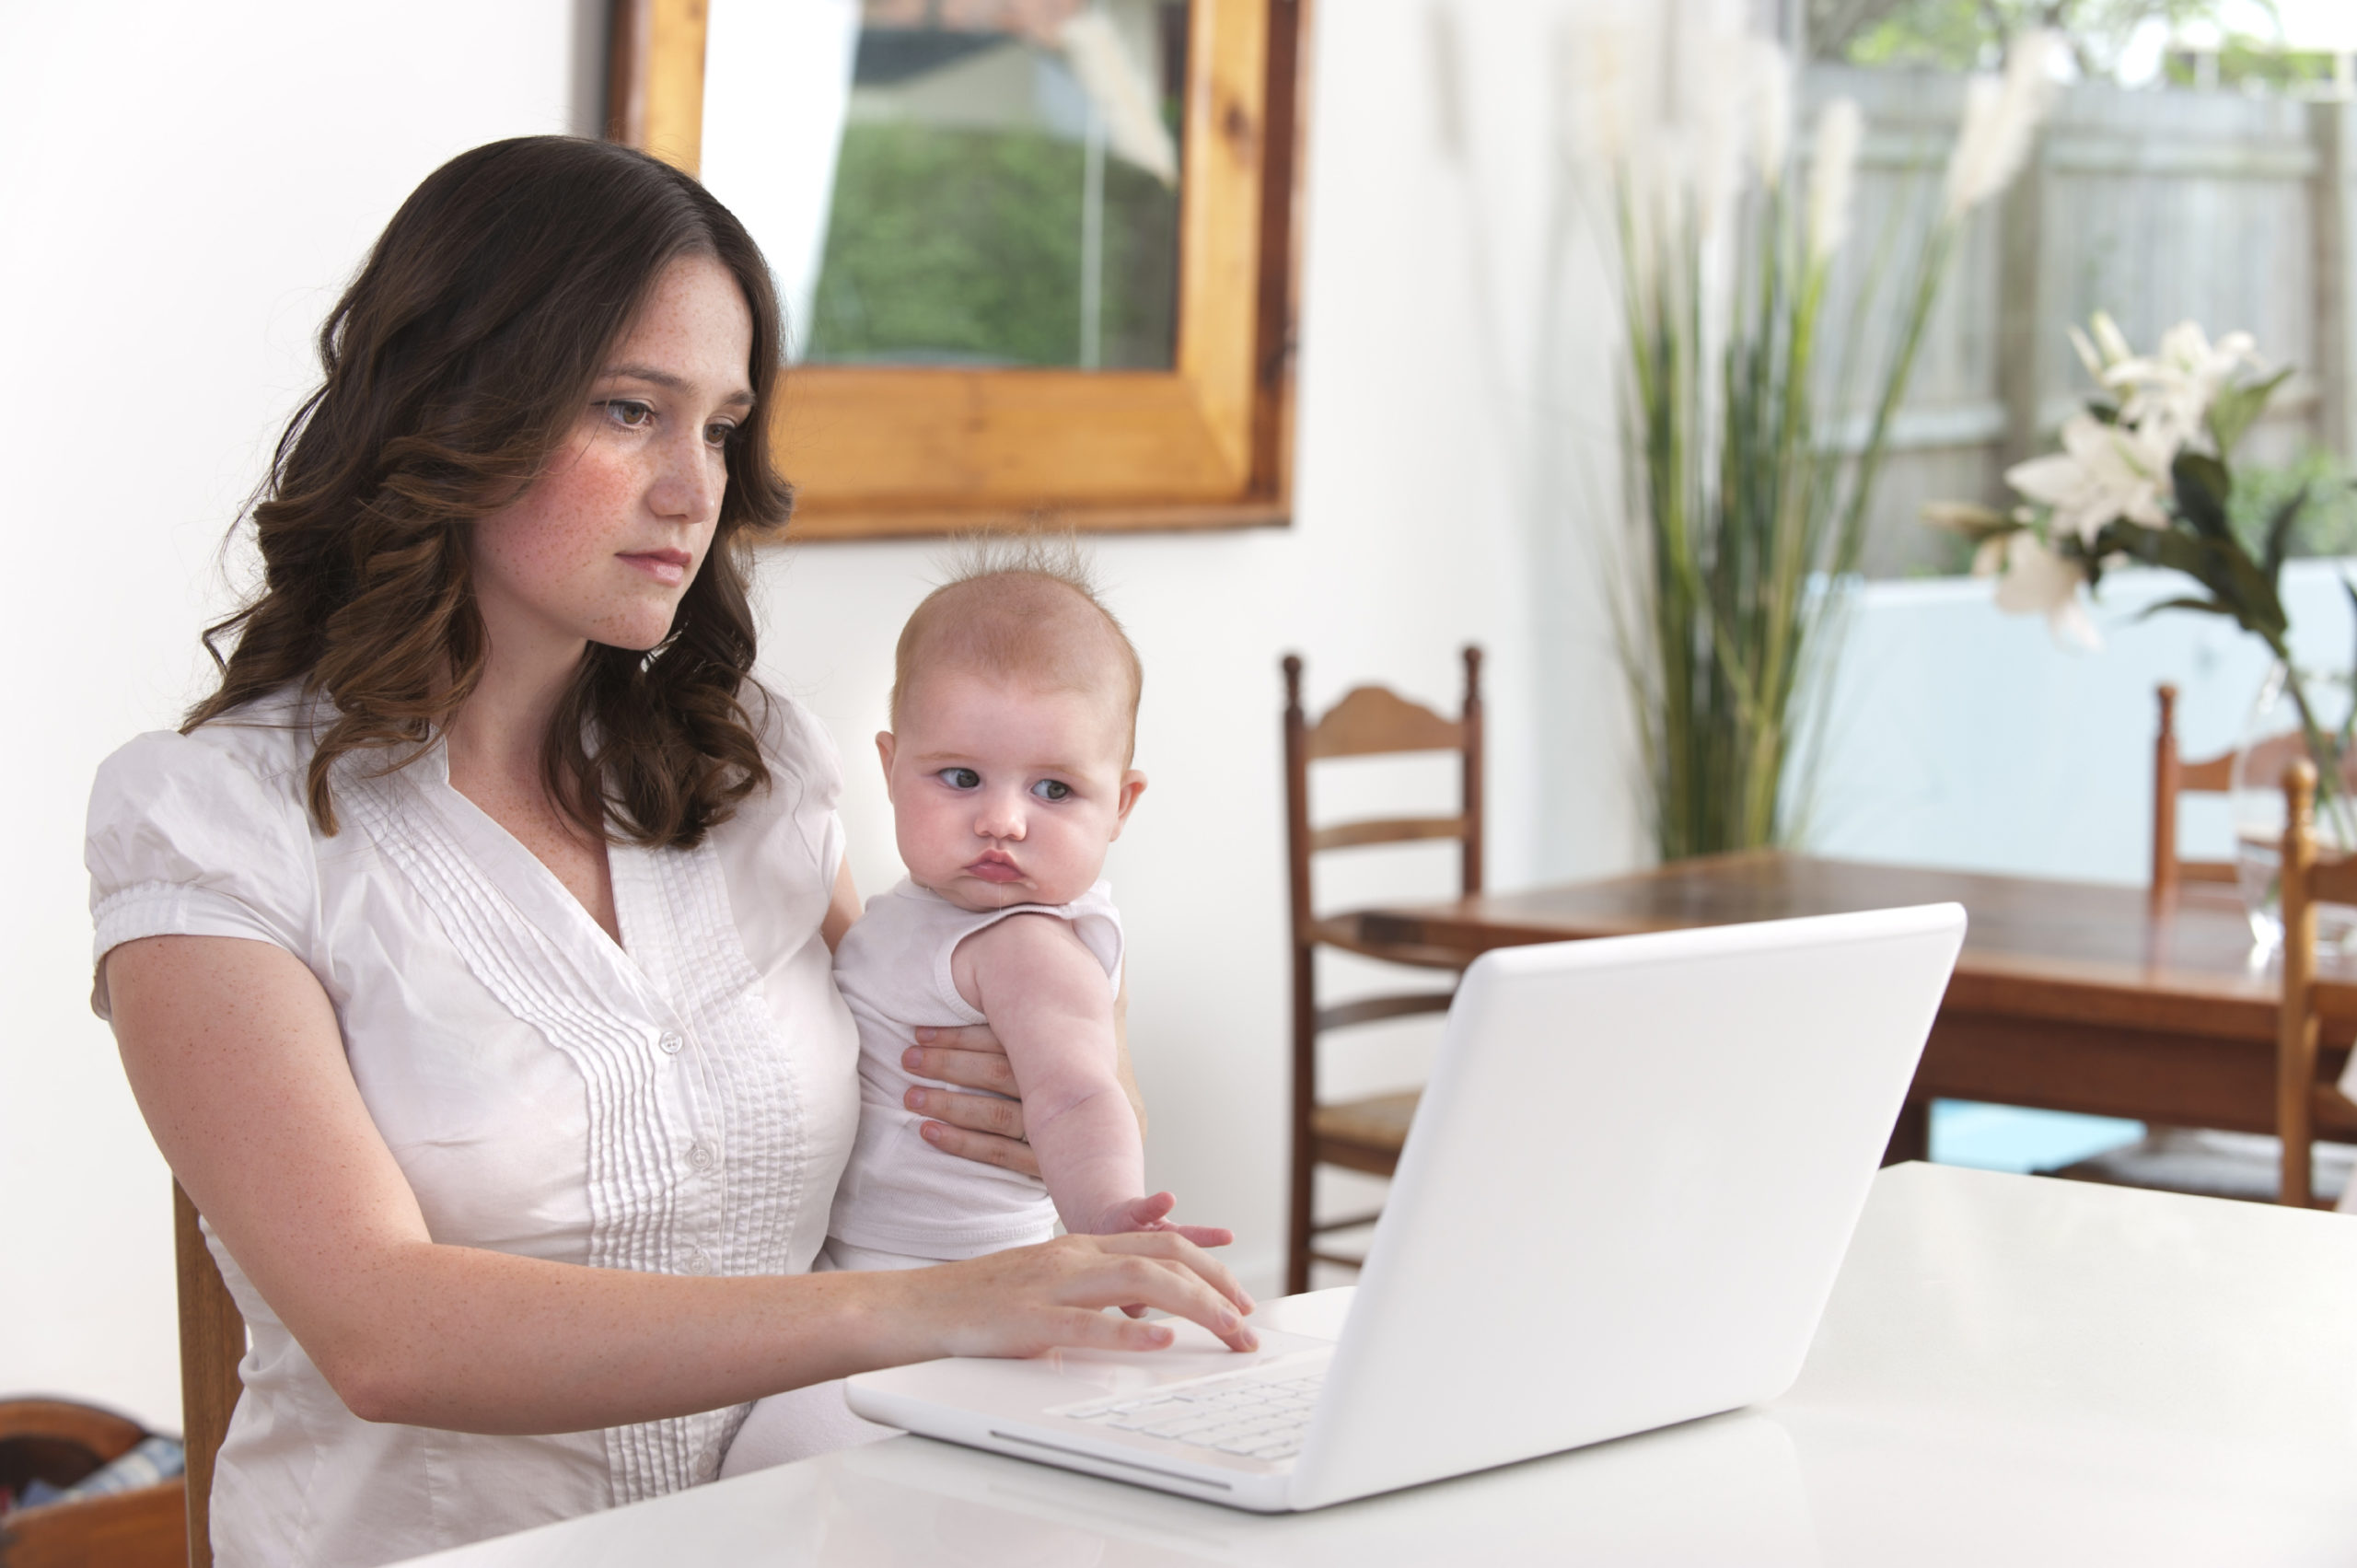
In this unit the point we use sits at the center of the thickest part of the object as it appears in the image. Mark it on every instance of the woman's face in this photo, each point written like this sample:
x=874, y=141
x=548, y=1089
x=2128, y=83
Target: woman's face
x=604, y=544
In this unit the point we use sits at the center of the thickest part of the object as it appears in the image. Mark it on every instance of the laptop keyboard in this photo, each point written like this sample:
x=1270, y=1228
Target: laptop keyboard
x=1257, y=1418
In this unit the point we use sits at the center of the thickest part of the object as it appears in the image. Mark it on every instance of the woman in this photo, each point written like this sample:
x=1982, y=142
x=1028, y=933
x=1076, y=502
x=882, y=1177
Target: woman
x=468, y=951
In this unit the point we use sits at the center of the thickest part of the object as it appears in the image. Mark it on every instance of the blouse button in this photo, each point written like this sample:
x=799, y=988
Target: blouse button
x=697, y=1263
x=671, y=1043
x=699, y=1155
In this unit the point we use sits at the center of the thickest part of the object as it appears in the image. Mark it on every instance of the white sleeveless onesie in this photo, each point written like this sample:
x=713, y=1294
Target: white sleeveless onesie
x=900, y=1195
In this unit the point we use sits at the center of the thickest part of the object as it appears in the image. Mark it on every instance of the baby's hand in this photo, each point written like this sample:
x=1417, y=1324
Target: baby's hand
x=1148, y=1213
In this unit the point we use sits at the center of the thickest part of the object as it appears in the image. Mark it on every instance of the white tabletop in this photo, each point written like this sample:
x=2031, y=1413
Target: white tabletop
x=2011, y=1371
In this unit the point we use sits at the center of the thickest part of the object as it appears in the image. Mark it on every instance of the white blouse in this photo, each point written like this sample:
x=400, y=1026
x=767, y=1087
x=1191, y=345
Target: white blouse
x=682, y=1103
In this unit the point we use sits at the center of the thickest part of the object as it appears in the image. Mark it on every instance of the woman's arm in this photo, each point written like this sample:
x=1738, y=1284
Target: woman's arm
x=234, y=1054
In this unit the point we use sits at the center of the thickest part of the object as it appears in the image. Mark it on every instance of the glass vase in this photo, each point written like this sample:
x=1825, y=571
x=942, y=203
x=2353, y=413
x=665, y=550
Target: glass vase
x=2298, y=713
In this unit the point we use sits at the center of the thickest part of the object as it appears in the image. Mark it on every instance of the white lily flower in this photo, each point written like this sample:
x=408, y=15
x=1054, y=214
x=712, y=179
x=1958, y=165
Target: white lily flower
x=2034, y=580
x=2109, y=338
x=2085, y=349
x=2173, y=388
x=2103, y=472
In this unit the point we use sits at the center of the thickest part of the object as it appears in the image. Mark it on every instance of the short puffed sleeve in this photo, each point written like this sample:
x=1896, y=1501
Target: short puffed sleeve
x=806, y=775
x=189, y=837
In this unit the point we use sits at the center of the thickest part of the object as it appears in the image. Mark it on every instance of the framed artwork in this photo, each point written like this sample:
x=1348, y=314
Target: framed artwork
x=1037, y=257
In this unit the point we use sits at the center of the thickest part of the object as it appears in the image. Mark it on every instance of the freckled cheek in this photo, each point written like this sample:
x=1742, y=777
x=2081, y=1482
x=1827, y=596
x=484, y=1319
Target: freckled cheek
x=589, y=516
x=570, y=523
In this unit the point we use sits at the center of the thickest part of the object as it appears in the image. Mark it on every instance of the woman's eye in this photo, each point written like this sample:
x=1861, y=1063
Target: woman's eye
x=1052, y=789
x=961, y=778
x=720, y=433
x=628, y=414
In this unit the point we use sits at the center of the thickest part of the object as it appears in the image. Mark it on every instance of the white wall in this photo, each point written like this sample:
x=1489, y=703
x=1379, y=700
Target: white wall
x=201, y=182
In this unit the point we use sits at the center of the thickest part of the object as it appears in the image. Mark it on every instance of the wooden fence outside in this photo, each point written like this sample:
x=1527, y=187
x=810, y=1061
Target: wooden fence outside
x=2157, y=206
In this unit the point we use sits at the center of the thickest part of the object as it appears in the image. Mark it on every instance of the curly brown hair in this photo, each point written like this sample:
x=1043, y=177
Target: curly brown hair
x=456, y=364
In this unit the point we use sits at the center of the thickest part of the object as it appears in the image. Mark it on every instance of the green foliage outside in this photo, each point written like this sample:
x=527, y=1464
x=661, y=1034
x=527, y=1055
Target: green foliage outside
x=2246, y=61
x=961, y=247
x=1966, y=35
x=2327, y=525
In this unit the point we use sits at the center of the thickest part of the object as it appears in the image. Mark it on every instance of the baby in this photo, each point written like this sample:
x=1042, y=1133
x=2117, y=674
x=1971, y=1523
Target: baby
x=1014, y=713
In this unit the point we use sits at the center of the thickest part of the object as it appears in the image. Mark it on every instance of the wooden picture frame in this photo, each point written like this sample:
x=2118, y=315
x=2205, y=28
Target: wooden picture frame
x=884, y=451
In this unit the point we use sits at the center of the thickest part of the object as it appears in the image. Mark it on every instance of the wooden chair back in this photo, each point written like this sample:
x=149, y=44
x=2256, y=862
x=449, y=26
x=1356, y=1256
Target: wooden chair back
x=1369, y=721
x=2173, y=776
x=212, y=1342
x=2308, y=1105
x=63, y=1443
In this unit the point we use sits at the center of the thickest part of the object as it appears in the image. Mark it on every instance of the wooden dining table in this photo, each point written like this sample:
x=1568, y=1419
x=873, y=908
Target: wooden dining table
x=2071, y=996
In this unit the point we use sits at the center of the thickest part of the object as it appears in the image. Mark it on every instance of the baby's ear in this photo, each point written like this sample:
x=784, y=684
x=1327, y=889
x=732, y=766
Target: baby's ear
x=884, y=751
x=1132, y=785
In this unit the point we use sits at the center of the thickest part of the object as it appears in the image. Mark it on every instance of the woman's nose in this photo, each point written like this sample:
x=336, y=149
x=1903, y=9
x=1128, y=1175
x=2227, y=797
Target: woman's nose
x=690, y=483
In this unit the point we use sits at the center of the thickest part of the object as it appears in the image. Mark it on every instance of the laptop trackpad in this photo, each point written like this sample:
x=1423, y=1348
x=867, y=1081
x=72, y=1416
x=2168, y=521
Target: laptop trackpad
x=916, y=1397
x=1193, y=1353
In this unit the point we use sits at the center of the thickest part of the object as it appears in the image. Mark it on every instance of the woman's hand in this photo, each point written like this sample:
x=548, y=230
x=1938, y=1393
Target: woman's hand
x=1031, y=1299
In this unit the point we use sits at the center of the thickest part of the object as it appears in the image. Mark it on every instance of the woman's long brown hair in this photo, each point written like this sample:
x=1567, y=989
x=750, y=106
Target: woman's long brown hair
x=456, y=362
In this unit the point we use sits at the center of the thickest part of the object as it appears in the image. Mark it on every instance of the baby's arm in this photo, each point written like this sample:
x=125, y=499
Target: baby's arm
x=1047, y=999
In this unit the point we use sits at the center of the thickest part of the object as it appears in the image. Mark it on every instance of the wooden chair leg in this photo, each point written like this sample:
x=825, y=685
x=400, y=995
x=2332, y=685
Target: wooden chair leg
x=1301, y=1178
x=2296, y=1035
x=213, y=1340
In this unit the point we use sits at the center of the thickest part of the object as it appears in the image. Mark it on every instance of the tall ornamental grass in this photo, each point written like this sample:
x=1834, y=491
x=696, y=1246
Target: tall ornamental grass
x=1748, y=520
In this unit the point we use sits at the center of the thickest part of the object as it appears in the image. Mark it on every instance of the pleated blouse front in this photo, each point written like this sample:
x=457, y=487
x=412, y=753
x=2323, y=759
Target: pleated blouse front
x=682, y=1103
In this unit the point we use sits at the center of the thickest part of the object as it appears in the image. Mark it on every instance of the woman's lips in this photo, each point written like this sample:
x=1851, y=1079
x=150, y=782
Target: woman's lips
x=995, y=868
x=666, y=566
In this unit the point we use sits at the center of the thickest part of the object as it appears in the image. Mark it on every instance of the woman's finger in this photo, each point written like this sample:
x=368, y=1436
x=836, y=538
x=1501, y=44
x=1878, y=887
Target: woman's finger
x=1174, y=1247
x=971, y=1069
x=962, y=1037
x=1180, y=1292
x=987, y=1148
x=976, y=1113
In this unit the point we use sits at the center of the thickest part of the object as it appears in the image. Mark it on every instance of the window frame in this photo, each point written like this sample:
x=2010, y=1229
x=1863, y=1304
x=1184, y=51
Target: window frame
x=883, y=451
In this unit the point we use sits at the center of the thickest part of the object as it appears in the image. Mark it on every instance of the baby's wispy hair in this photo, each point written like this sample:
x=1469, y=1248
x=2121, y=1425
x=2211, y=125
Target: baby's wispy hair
x=1025, y=606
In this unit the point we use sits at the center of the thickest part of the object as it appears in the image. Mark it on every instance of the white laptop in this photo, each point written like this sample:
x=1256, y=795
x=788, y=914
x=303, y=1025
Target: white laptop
x=1622, y=1203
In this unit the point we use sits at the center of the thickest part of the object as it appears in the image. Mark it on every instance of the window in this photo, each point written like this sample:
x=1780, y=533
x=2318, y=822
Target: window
x=1037, y=255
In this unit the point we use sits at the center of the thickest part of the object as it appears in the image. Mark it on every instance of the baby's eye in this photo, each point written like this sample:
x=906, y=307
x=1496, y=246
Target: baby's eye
x=961, y=778
x=1052, y=789
x=629, y=413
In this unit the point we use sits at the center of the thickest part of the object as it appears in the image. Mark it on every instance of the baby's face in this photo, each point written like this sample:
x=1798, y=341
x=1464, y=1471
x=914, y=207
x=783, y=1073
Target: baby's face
x=1005, y=792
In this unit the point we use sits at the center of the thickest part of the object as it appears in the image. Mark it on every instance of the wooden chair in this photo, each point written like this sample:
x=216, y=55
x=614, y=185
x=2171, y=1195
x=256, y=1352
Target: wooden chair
x=2175, y=1158
x=2309, y=1101
x=62, y=1442
x=2172, y=776
x=1365, y=1134
x=212, y=1342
